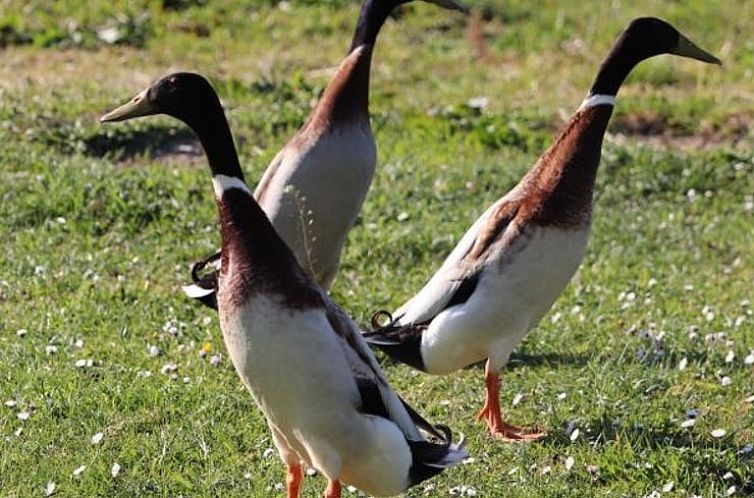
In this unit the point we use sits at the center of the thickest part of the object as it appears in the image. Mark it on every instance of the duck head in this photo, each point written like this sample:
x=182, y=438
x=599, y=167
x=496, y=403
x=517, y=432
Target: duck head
x=190, y=98
x=644, y=37
x=185, y=96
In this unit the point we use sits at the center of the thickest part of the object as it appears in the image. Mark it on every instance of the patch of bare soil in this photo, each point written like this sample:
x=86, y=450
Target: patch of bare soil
x=641, y=124
x=735, y=131
x=475, y=35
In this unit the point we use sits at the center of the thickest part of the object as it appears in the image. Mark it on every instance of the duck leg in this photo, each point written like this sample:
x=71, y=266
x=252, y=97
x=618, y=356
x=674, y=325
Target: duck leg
x=333, y=489
x=293, y=480
x=492, y=414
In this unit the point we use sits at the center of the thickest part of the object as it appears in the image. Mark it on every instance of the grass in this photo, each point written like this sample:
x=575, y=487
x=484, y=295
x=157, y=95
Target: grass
x=100, y=223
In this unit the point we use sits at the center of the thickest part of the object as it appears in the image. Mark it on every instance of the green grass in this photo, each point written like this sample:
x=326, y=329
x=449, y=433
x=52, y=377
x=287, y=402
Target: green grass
x=99, y=225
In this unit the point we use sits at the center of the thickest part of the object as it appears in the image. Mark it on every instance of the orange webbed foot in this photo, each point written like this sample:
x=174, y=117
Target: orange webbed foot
x=333, y=489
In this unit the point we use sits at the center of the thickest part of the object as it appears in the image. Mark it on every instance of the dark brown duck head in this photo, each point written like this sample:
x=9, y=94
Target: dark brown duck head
x=645, y=37
x=190, y=98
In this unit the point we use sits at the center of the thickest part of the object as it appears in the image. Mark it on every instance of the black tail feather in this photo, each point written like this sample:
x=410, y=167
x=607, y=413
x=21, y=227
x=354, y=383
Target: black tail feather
x=201, y=265
x=440, y=432
x=208, y=281
x=382, y=318
x=400, y=342
x=430, y=458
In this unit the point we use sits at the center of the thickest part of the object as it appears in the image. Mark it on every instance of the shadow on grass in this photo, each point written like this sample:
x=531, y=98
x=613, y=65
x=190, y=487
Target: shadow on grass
x=154, y=142
x=517, y=360
x=535, y=360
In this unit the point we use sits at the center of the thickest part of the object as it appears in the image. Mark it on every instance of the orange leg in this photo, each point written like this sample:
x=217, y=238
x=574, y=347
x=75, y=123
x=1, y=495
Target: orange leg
x=293, y=480
x=492, y=415
x=333, y=489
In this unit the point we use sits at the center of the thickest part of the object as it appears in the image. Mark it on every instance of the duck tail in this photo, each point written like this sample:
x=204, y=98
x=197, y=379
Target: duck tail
x=400, y=342
x=204, y=288
x=429, y=458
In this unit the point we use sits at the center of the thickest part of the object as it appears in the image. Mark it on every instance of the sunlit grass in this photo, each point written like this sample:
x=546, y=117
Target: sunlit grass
x=100, y=225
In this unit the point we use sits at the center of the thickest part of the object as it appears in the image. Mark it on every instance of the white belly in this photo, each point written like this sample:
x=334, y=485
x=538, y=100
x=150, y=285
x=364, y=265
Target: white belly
x=316, y=195
x=270, y=349
x=511, y=298
x=295, y=369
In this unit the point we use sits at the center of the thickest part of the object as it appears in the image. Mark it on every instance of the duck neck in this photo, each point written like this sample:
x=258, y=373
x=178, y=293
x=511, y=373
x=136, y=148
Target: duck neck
x=214, y=134
x=247, y=234
x=566, y=173
x=254, y=258
x=351, y=95
x=250, y=244
x=615, y=68
x=371, y=18
x=346, y=98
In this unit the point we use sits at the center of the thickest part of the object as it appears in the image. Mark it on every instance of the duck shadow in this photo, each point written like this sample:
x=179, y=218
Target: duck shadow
x=536, y=360
x=547, y=360
x=517, y=360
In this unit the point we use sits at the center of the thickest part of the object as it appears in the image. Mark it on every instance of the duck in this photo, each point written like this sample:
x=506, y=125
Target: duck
x=325, y=399
x=508, y=269
x=314, y=188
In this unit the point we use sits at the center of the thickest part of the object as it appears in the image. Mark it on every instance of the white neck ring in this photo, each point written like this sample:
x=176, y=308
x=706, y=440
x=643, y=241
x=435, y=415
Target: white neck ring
x=221, y=183
x=597, y=99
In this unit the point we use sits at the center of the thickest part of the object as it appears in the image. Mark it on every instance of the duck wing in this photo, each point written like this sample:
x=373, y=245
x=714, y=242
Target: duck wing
x=456, y=280
x=453, y=284
x=431, y=445
x=378, y=398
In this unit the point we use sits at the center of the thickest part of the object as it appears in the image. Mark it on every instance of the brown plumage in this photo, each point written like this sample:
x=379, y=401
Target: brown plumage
x=345, y=102
x=321, y=390
x=315, y=186
x=516, y=259
x=257, y=260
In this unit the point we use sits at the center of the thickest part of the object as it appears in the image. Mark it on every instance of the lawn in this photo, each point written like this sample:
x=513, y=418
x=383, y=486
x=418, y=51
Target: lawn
x=115, y=384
